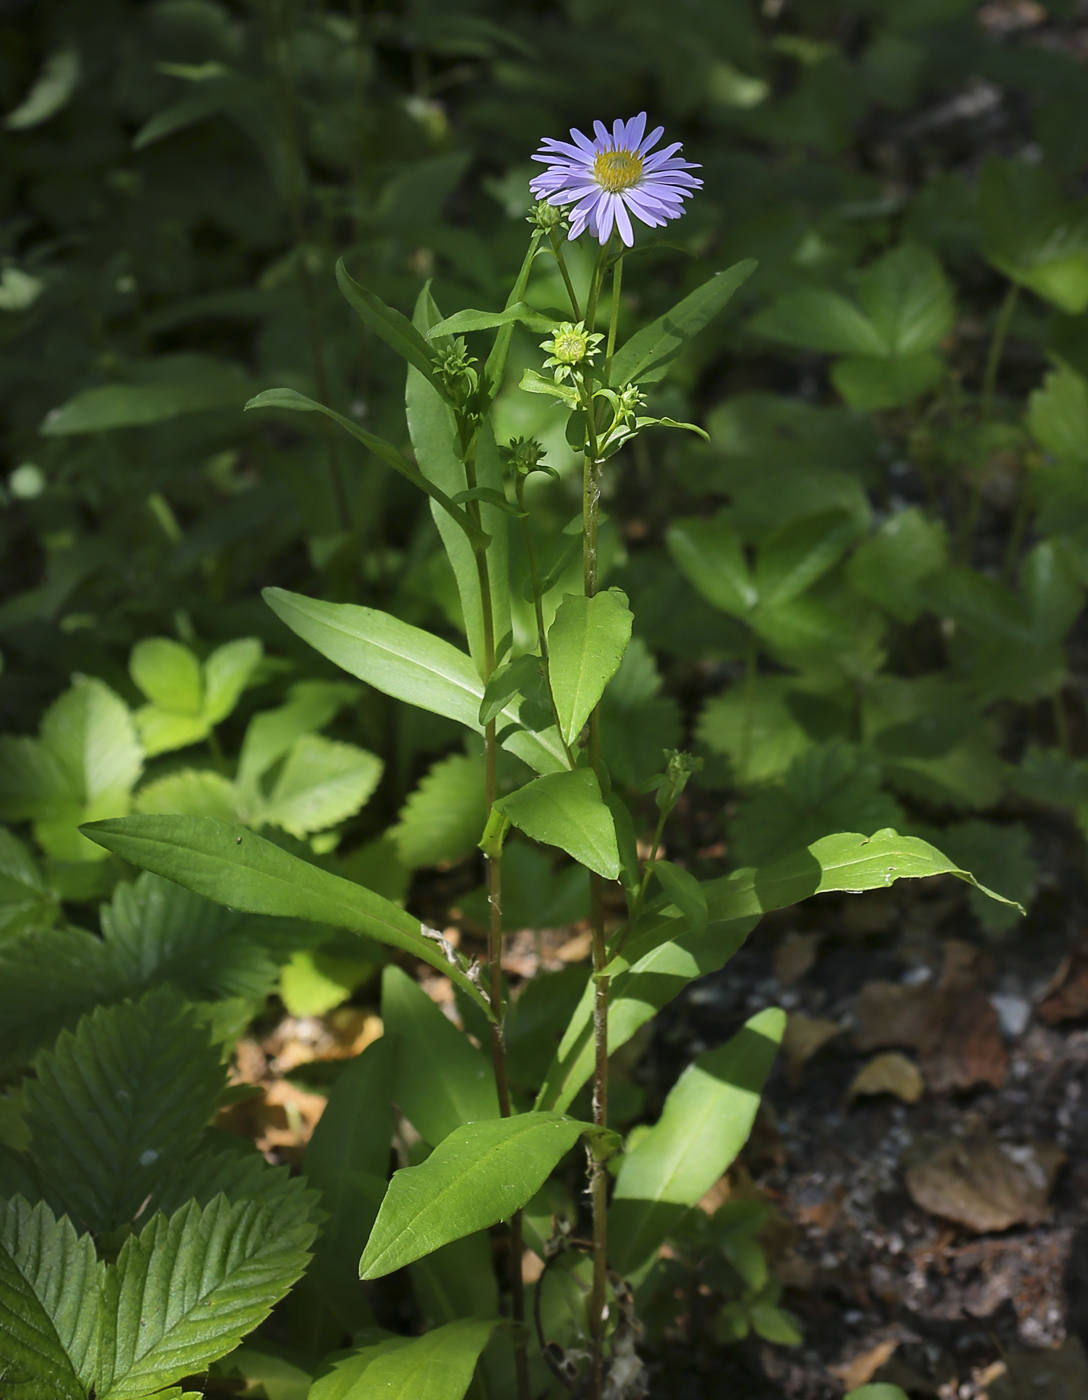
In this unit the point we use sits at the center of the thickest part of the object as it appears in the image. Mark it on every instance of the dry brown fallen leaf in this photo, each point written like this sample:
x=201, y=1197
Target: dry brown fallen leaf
x=863, y=1367
x=952, y=1025
x=1066, y=997
x=1061, y=1374
x=889, y=1073
x=984, y=1184
x=804, y=1036
x=795, y=956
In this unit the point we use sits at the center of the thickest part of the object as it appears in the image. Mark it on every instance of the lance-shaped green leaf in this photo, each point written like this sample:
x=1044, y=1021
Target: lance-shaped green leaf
x=521, y=313
x=395, y=329
x=586, y=642
x=478, y=1175
x=201, y=386
x=685, y=892
x=436, y=1366
x=347, y=1160
x=411, y=665
x=649, y=353
x=292, y=400
x=186, y=1290
x=566, y=810
x=50, y=1281
x=705, y=1122
x=440, y=1080
x=495, y=367
x=440, y=453
x=231, y=865
x=659, y=957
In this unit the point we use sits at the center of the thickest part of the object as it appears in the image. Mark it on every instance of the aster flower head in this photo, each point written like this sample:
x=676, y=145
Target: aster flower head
x=613, y=177
x=570, y=345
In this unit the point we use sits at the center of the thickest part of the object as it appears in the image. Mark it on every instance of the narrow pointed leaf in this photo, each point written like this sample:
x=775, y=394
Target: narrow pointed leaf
x=566, y=810
x=659, y=958
x=586, y=642
x=705, y=1122
x=395, y=329
x=437, y=1366
x=518, y=314
x=440, y=1080
x=649, y=353
x=411, y=665
x=231, y=865
x=299, y=403
x=685, y=891
x=478, y=1175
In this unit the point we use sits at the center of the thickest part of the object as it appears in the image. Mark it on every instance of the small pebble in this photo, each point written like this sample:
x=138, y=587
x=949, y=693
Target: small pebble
x=1013, y=1012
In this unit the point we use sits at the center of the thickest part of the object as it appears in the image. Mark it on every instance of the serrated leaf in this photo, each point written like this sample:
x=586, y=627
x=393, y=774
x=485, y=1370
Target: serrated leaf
x=794, y=557
x=710, y=555
x=1058, y=414
x=232, y=866
x=409, y=664
x=444, y=817
x=705, y=1122
x=83, y=767
x=820, y=319
x=478, y=1175
x=168, y=674
x=227, y=672
x=440, y=1080
x=1031, y=235
x=322, y=782
x=650, y=352
x=756, y=727
x=198, y=1282
x=872, y=384
x=193, y=792
x=586, y=642
x=566, y=810
x=908, y=300
x=907, y=548
x=50, y=1282
x=27, y=904
x=310, y=706
x=104, y=1115
x=826, y=788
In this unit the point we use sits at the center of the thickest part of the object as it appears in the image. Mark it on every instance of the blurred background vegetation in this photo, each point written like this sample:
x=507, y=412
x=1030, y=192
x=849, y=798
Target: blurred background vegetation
x=179, y=178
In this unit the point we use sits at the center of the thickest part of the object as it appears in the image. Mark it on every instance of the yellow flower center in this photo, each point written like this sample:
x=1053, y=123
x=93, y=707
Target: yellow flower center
x=617, y=170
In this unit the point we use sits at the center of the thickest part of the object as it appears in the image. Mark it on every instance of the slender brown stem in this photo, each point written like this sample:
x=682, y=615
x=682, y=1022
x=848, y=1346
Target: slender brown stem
x=494, y=940
x=591, y=495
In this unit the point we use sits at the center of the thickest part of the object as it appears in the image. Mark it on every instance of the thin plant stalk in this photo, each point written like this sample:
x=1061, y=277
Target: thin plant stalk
x=591, y=496
x=557, y=249
x=613, y=320
x=986, y=406
x=494, y=941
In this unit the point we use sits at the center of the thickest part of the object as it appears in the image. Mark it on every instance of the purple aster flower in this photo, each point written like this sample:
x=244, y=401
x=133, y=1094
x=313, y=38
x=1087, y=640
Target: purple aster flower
x=615, y=174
